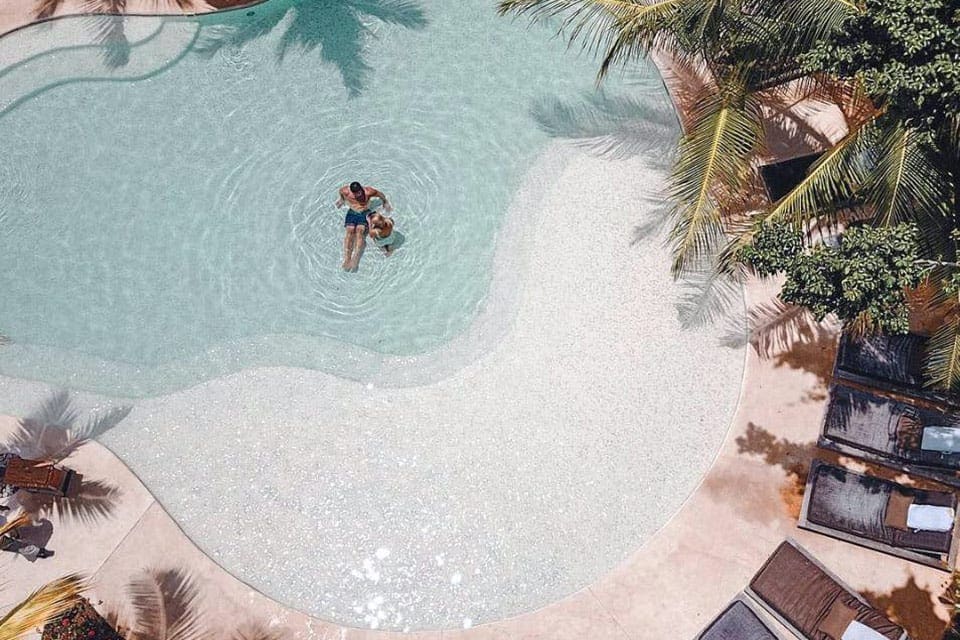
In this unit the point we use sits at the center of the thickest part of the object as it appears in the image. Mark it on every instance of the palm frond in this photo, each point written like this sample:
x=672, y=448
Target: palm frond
x=942, y=366
x=705, y=296
x=637, y=31
x=54, y=430
x=624, y=28
x=93, y=501
x=47, y=8
x=833, y=178
x=816, y=19
x=714, y=157
x=904, y=183
x=165, y=606
x=613, y=127
x=41, y=606
x=257, y=632
x=20, y=520
x=57, y=410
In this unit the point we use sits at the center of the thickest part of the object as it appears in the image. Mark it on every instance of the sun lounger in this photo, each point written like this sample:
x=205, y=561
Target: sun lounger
x=34, y=475
x=875, y=513
x=739, y=621
x=893, y=433
x=891, y=363
x=812, y=602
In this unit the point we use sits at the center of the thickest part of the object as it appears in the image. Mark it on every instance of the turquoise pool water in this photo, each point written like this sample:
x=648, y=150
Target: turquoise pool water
x=165, y=230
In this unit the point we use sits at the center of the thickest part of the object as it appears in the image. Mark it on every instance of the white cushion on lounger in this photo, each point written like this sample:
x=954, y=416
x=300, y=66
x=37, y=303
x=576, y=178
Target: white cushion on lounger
x=926, y=517
x=939, y=438
x=859, y=631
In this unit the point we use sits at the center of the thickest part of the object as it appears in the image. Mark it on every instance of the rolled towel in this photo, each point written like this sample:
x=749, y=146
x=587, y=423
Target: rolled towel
x=926, y=517
x=859, y=631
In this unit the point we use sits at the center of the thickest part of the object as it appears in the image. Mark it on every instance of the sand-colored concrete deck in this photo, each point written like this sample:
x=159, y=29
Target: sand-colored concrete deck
x=669, y=588
x=16, y=14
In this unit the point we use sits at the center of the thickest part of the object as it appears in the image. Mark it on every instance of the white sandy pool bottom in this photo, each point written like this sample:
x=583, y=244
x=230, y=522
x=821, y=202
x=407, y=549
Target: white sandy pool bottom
x=505, y=486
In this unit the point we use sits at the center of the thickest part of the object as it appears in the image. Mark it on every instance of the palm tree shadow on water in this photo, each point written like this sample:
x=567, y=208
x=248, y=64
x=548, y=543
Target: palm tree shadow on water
x=338, y=28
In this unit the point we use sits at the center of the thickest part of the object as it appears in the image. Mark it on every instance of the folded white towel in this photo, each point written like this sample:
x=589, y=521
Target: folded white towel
x=859, y=631
x=926, y=517
x=940, y=438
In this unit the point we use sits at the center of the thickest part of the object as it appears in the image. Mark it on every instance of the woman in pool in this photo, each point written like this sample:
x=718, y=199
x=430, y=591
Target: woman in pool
x=358, y=199
x=381, y=231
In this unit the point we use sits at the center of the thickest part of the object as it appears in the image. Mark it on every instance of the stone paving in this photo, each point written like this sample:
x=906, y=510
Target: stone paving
x=669, y=588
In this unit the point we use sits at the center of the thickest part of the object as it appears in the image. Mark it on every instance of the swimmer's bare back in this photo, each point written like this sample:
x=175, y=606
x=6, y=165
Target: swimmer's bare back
x=371, y=192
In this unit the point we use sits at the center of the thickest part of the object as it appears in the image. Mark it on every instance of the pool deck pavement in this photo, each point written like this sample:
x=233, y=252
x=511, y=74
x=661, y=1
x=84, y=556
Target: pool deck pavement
x=669, y=588
x=15, y=14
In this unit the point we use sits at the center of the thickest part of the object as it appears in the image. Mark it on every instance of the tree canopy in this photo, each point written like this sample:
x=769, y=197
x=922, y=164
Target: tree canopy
x=906, y=53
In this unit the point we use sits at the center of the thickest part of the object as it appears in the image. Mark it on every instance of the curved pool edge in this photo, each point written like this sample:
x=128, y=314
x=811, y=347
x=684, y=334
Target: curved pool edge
x=497, y=311
x=12, y=21
x=124, y=556
x=581, y=601
x=669, y=587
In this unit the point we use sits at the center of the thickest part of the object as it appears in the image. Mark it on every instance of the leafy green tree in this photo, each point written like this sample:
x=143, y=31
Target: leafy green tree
x=862, y=280
x=906, y=53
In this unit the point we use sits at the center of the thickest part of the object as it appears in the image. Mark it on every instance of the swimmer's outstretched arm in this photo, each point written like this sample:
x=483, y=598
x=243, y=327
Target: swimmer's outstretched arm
x=340, y=200
x=383, y=198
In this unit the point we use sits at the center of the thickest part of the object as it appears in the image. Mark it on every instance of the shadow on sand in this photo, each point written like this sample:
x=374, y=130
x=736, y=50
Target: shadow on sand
x=912, y=607
x=613, y=127
x=167, y=604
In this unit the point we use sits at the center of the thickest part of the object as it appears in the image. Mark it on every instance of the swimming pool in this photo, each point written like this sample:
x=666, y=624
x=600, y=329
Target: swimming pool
x=179, y=225
x=476, y=427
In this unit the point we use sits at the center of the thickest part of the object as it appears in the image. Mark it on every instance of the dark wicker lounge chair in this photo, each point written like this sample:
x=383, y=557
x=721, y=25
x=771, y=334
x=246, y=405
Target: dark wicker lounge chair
x=812, y=602
x=739, y=621
x=893, y=433
x=871, y=512
x=892, y=363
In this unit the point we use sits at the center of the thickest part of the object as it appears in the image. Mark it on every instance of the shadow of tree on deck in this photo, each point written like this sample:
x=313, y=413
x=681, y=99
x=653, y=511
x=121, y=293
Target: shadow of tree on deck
x=794, y=458
x=791, y=337
x=167, y=604
x=336, y=27
x=912, y=607
x=105, y=24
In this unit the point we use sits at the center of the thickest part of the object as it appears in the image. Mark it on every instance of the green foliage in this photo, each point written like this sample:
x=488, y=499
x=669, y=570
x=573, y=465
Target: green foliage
x=906, y=52
x=774, y=248
x=862, y=280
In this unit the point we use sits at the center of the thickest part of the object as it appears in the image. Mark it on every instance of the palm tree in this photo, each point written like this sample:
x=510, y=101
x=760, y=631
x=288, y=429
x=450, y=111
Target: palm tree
x=42, y=605
x=742, y=54
x=746, y=53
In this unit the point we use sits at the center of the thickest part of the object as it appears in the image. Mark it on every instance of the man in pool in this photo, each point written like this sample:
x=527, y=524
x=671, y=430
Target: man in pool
x=358, y=199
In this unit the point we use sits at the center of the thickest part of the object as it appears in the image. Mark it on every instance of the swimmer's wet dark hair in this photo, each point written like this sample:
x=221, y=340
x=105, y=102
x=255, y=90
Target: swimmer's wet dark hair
x=356, y=187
